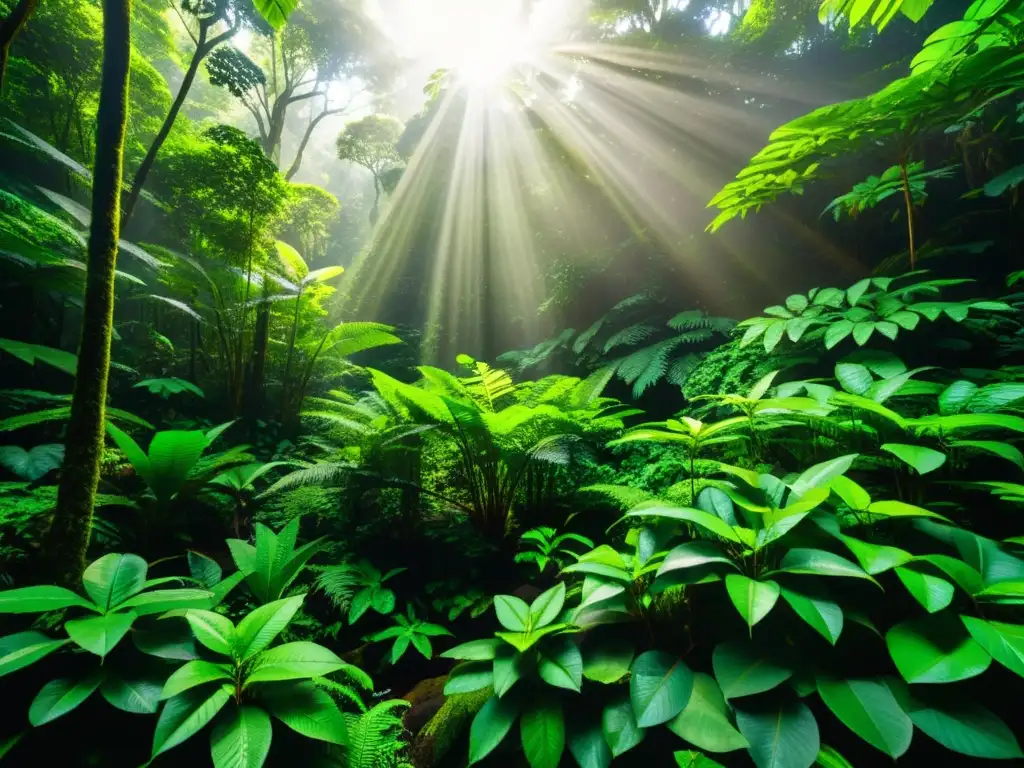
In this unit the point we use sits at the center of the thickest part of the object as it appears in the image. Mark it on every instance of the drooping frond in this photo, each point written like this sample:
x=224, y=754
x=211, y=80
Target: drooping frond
x=587, y=336
x=646, y=366
x=348, y=338
x=629, y=336
x=338, y=582
x=324, y=473
x=375, y=737
x=682, y=367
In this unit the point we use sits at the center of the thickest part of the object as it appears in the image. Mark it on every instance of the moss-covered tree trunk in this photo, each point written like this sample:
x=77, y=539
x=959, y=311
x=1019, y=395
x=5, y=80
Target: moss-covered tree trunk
x=68, y=537
x=10, y=26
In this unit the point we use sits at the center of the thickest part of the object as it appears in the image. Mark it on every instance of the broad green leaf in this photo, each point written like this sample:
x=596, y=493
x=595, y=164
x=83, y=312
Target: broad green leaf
x=694, y=554
x=935, y=649
x=830, y=758
x=854, y=377
x=961, y=725
x=41, y=599
x=618, y=723
x=307, y=710
x=490, y=726
x=876, y=558
x=781, y=734
x=1003, y=642
x=868, y=708
x=852, y=494
x=507, y=668
x=704, y=722
x=136, y=695
x=542, y=730
x=753, y=599
x=114, y=578
x=930, y=591
x=698, y=517
x=693, y=759
x=607, y=660
x=241, y=739
x=469, y=676
x=257, y=630
x=818, y=562
x=659, y=687
x=211, y=629
x=823, y=616
x=901, y=509
x=742, y=669
x=560, y=664
x=192, y=674
x=204, y=569
x=474, y=650
x=922, y=459
x=161, y=600
x=588, y=747
x=1009, y=592
x=513, y=613
x=293, y=661
x=172, y=455
x=522, y=641
x=99, y=634
x=547, y=606
x=822, y=474
x=187, y=714
x=23, y=648
x=361, y=603
x=58, y=697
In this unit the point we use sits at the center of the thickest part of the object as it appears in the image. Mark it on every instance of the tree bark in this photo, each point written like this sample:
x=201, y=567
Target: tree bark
x=9, y=28
x=67, y=539
x=202, y=49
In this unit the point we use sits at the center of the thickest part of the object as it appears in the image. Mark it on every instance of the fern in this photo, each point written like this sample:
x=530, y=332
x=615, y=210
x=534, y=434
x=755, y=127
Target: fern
x=375, y=738
x=646, y=366
x=338, y=582
x=324, y=473
x=629, y=336
x=587, y=336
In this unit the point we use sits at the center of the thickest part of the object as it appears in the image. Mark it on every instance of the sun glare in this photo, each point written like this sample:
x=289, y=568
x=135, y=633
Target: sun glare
x=492, y=53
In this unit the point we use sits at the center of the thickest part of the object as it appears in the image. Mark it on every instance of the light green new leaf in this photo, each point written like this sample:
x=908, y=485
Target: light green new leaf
x=698, y=517
x=41, y=599
x=930, y=591
x=753, y=599
x=542, y=730
x=192, y=674
x=547, y=606
x=935, y=649
x=187, y=714
x=693, y=759
x=257, y=630
x=211, y=629
x=161, y=600
x=922, y=459
x=1003, y=642
x=513, y=613
x=704, y=722
x=293, y=661
x=241, y=739
x=868, y=708
x=114, y=578
x=99, y=634
x=474, y=650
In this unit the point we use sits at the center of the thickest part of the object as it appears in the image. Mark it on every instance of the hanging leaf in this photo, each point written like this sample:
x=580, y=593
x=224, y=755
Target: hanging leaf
x=935, y=649
x=542, y=729
x=743, y=669
x=659, y=687
x=704, y=722
x=781, y=735
x=868, y=708
x=753, y=599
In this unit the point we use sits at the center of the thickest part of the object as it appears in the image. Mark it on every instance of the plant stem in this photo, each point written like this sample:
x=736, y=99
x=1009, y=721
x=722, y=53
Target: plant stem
x=910, y=212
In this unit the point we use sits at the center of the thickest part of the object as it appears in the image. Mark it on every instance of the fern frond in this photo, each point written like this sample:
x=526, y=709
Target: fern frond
x=629, y=336
x=647, y=366
x=682, y=367
x=340, y=693
x=375, y=737
x=323, y=473
x=490, y=384
x=339, y=583
x=587, y=336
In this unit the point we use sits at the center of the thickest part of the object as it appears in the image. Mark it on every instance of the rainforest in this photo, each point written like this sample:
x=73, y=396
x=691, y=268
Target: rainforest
x=511, y=383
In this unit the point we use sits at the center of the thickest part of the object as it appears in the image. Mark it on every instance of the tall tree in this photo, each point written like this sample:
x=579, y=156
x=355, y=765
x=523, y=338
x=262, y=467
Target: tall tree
x=209, y=16
x=372, y=142
x=10, y=26
x=68, y=536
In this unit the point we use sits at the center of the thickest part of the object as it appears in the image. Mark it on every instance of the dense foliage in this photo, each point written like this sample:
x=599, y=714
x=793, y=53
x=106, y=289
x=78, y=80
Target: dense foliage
x=244, y=523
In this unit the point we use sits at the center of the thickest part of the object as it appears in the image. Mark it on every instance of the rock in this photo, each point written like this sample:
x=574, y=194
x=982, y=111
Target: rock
x=425, y=699
x=451, y=721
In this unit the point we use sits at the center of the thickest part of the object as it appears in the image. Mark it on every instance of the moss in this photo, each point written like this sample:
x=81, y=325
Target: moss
x=446, y=727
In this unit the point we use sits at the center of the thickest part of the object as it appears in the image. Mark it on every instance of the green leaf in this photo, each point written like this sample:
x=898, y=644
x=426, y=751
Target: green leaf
x=160, y=600
x=522, y=641
x=187, y=714
x=40, y=599
x=58, y=697
x=560, y=664
x=743, y=670
x=172, y=455
x=753, y=599
x=781, y=734
x=607, y=661
x=542, y=729
x=900, y=509
x=830, y=758
x=935, y=649
x=307, y=710
x=823, y=474
x=854, y=377
x=507, y=670
x=618, y=723
x=704, y=722
x=513, y=613
x=211, y=629
x=360, y=604
x=192, y=674
x=114, y=578
x=924, y=460
x=490, y=726
x=823, y=616
x=474, y=650
x=546, y=607
x=257, y=630
x=836, y=332
x=99, y=634
x=23, y=648
x=693, y=554
x=698, y=517
x=659, y=687
x=136, y=695
x=241, y=739
x=468, y=677
x=1003, y=642
x=868, y=708
x=293, y=661
x=588, y=747
x=930, y=591
x=962, y=725
x=819, y=562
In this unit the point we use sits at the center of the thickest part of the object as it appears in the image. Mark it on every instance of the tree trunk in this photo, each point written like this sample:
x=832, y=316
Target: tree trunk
x=202, y=49
x=9, y=28
x=67, y=539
